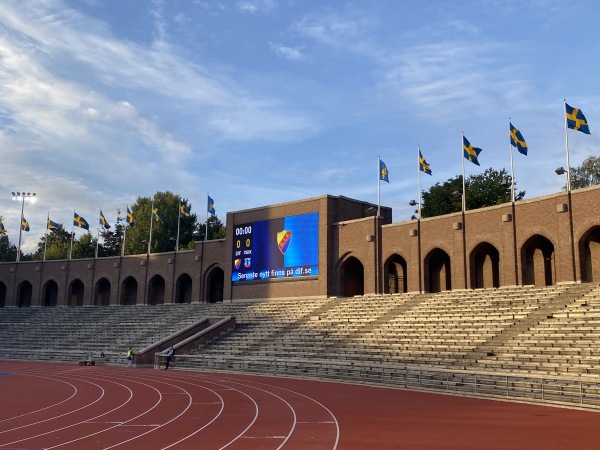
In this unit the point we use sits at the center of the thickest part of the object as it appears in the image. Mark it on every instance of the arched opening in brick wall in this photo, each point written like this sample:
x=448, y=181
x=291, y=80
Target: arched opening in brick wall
x=437, y=271
x=129, y=291
x=485, y=266
x=76, y=293
x=394, y=281
x=102, y=292
x=50, y=293
x=183, y=289
x=353, y=277
x=537, y=261
x=24, y=292
x=2, y=295
x=156, y=290
x=214, y=285
x=589, y=254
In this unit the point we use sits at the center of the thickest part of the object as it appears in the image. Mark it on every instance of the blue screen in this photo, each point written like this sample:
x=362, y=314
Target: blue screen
x=287, y=247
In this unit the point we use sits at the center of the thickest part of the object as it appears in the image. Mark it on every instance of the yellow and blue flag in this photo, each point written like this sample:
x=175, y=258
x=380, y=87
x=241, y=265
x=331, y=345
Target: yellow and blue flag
x=576, y=120
x=517, y=140
x=103, y=223
x=51, y=225
x=129, y=220
x=80, y=222
x=211, y=206
x=2, y=229
x=157, y=215
x=471, y=153
x=24, y=224
x=184, y=211
x=423, y=166
x=383, y=172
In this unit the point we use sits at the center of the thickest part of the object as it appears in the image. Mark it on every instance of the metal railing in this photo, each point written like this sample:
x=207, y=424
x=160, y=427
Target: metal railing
x=581, y=391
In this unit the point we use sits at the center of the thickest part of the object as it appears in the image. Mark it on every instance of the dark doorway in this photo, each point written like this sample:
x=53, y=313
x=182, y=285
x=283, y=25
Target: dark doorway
x=50, y=293
x=156, y=290
x=102, y=293
x=129, y=291
x=589, y=254
x=395, y=281
x=353, y=277
x=183, y=291
x=2, y=295
x=537, y=260
x=485, y=267
x=76, y=292
x=437, y=270
x=215, y=281
x=24, y=292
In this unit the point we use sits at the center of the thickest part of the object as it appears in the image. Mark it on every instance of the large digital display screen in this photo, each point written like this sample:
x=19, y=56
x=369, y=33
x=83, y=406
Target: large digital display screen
x=278, y=248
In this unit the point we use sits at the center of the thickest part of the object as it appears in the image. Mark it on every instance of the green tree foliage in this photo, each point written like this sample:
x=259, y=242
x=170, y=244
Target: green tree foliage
x=587, y=174
x=112, y=239
x=8, y=251
x=482, y=190
x=163, y=234
x=84, y=246
x=57, y=245
x=216, y=229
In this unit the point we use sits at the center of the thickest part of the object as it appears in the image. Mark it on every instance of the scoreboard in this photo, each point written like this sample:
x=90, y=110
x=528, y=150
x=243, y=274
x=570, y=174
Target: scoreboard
x=287, y=247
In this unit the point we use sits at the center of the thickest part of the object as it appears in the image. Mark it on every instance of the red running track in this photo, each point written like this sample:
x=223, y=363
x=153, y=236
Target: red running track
x=48, y=405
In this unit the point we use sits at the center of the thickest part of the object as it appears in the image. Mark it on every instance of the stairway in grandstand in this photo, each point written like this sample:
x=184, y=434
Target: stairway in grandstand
x=553, y=329
x=455, y=329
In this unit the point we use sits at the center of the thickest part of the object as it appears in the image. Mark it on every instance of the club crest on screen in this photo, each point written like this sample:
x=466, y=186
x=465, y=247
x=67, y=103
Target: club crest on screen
x=284, y=238
x=237, y=263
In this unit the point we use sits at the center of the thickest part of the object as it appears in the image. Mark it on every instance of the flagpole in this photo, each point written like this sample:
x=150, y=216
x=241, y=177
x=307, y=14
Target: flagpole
x=72, y=233
x=419, y=178
x=462, y=154
x=206, y=225
x=150, y=240
x=512, y=167
x=567, y=147
x=378, y=185
x=178, y=223
x=46, y=238
x=98, y=235
x=124, y=233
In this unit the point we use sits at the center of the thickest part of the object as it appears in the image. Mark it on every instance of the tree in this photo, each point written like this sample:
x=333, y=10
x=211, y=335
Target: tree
x=587, y=174
x=216, y=229
x=8, y=251
x=163, y=234
x=486, y=189
x=112, y=239
x=84, y=246
x=57, y=244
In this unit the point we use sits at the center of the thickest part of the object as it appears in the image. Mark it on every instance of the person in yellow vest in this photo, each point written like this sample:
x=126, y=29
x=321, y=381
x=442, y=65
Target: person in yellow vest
x=129, y=357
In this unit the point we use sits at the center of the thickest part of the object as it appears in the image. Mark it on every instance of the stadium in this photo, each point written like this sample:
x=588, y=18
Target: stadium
x=501, y=302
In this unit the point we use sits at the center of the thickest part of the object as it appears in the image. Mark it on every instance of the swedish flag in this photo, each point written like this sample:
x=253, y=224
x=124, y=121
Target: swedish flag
x=211, y=206
x=80, y=222
x=2, y=229
x=129, y=218
x=423, y=166
x=51, y=225
x=184, y=211
x=103, y=222
x=517, y=140
x=383, y=172
x=158, y=215
x=471, y=153
x=576, y=120
x=24, y=224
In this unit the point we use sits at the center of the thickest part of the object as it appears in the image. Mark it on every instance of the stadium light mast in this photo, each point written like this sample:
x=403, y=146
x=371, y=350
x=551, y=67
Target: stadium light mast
x=22, y=196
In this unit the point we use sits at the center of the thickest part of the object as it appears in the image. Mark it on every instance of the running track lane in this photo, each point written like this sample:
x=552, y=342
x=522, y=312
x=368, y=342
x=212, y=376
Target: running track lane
x=102, y=406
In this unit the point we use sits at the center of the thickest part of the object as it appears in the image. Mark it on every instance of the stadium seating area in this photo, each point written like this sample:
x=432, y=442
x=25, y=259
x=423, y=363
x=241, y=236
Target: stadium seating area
x=526, y=329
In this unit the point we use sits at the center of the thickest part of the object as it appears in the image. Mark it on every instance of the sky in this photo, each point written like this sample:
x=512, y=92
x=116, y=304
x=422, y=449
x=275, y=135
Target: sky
x=259, y=102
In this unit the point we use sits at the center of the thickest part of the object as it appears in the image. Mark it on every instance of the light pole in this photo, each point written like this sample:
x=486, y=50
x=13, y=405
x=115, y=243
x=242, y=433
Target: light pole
x=22, y=196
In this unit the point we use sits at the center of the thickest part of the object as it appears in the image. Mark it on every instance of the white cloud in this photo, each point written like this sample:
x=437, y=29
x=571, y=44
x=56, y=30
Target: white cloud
x=291, y=53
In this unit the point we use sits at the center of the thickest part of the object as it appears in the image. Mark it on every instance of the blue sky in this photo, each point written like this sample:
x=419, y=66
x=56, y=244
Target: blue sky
x=259, y=102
